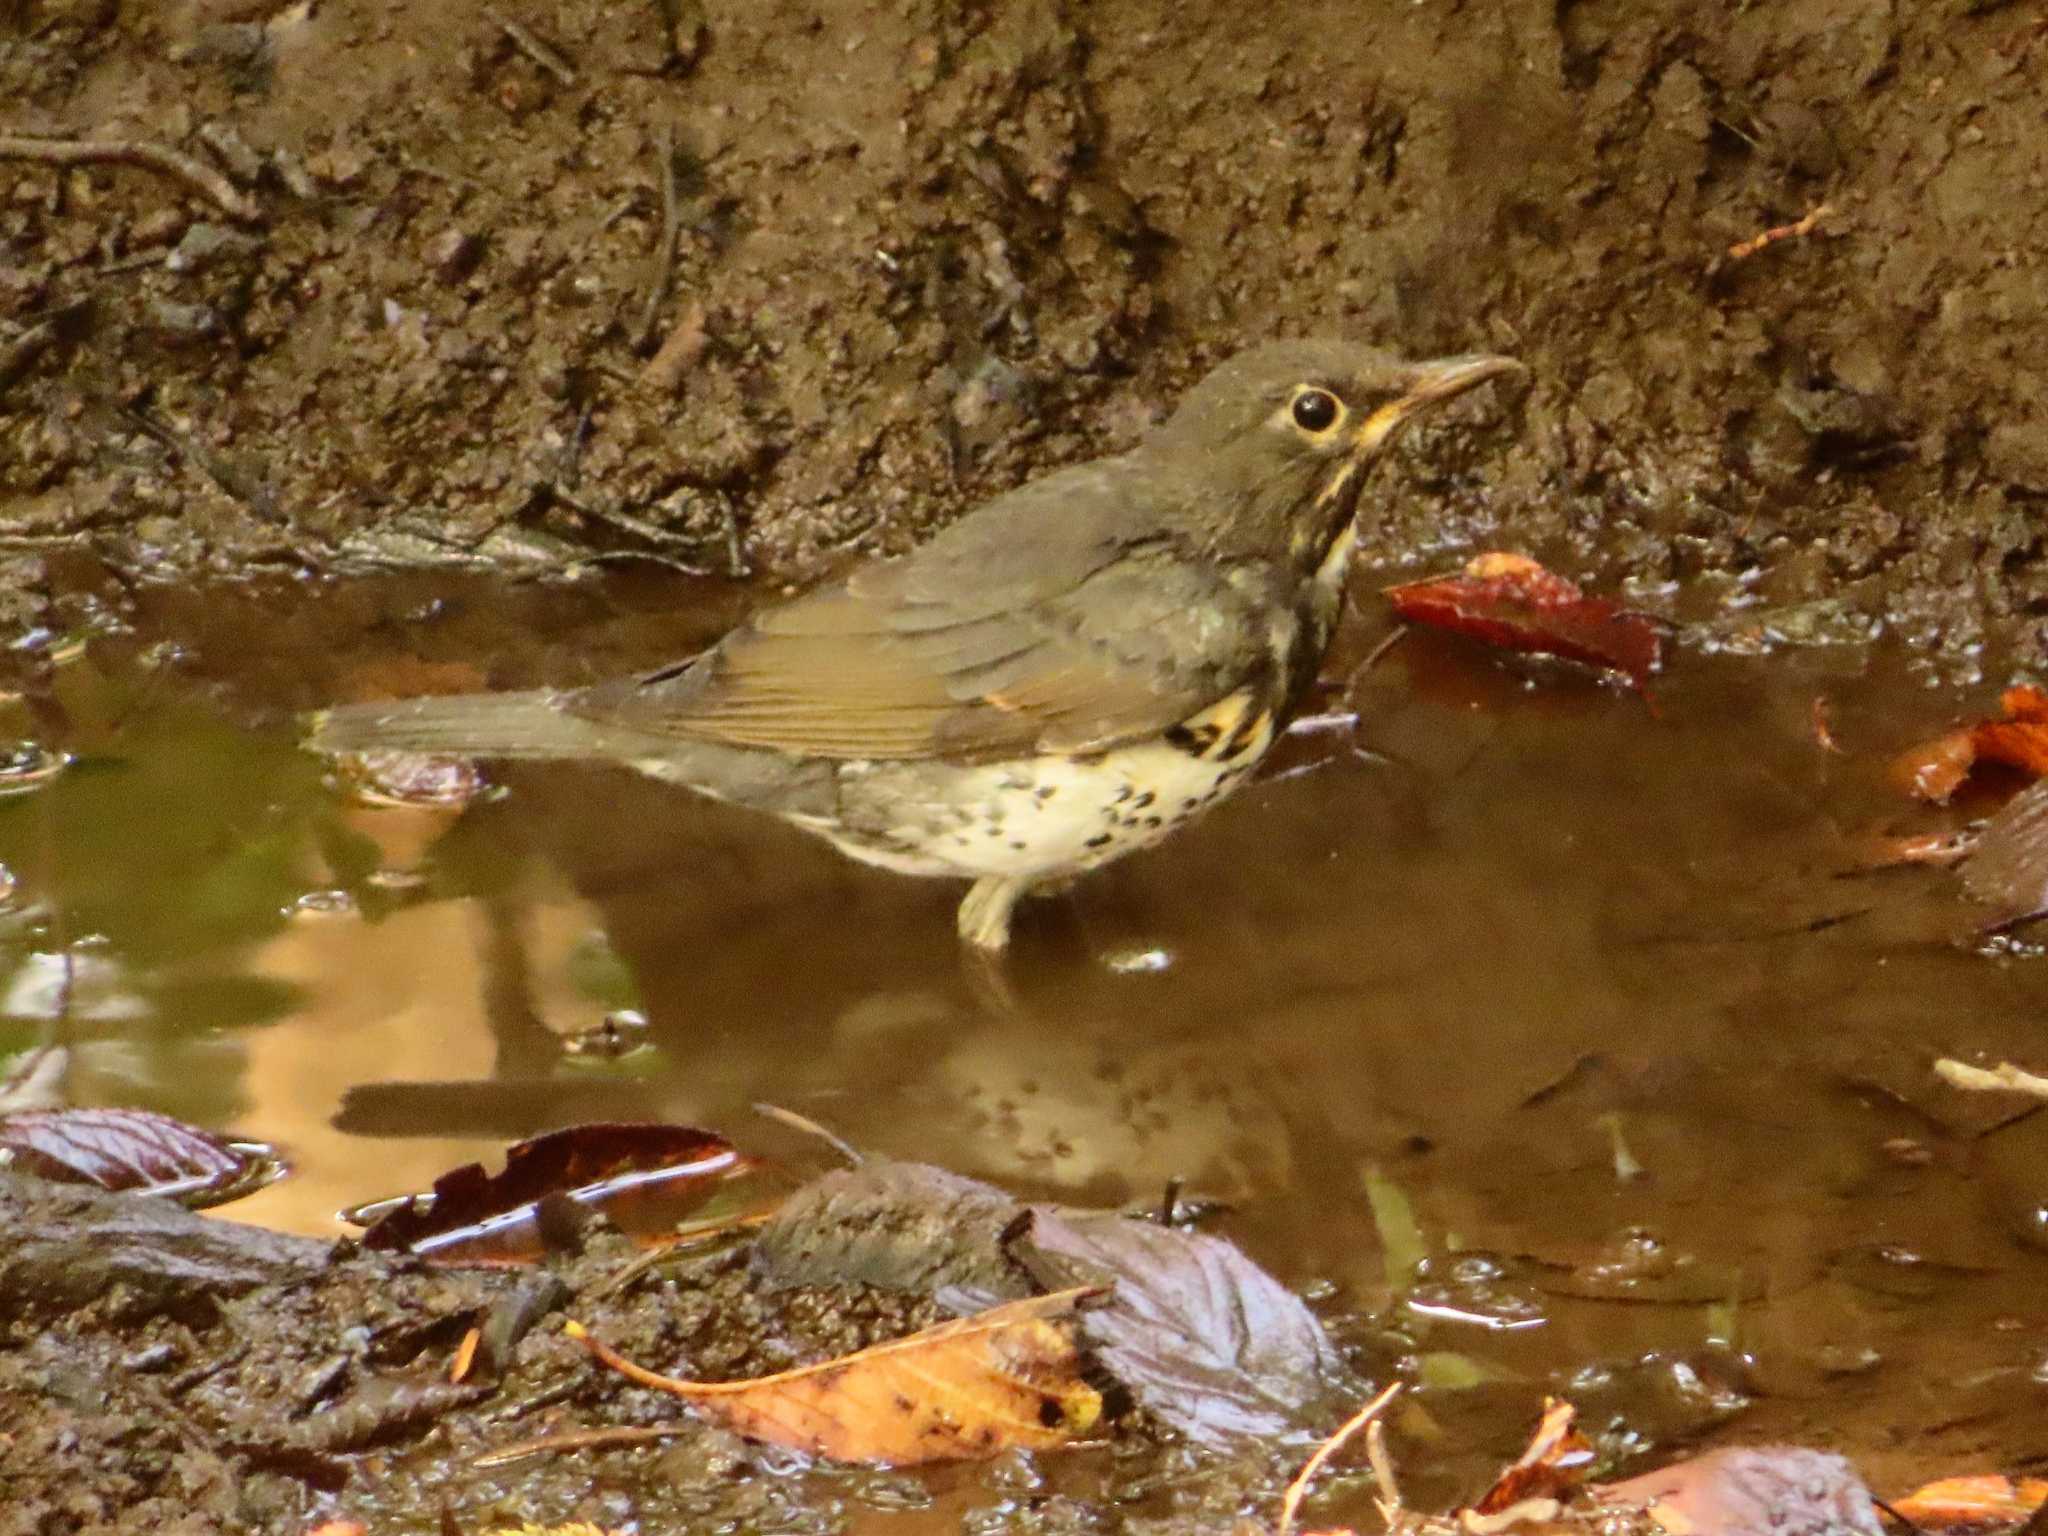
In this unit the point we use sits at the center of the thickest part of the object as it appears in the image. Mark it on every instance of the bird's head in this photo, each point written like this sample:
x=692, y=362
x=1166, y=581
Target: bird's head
x=1269, y=452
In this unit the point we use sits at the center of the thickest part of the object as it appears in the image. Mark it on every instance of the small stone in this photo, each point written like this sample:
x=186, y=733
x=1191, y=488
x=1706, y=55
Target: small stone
x=453, y=254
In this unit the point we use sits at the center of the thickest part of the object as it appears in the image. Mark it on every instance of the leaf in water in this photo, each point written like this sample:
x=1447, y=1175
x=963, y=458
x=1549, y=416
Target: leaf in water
x=646, y=1178
x=135, y=1150
x=1935, y=770
x=975, y=1387
x=1512, y=602
x=1402, y=1245
x=1764, y=1490
x=1550, y=1468
x=1986, y=1502
x=2008, y=868
x=1202, y=1337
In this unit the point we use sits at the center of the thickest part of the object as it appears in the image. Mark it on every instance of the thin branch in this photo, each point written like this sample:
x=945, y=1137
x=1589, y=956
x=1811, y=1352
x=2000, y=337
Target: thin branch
x=1290, y=1506
x=153, y=157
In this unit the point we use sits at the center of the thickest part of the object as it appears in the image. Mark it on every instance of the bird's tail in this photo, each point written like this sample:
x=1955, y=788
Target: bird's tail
x=530, y=725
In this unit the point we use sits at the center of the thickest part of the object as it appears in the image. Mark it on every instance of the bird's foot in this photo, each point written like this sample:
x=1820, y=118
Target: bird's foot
x=985, y=910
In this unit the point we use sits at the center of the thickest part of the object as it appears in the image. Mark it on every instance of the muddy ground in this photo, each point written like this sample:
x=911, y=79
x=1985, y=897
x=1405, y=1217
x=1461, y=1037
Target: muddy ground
x=756, y=288
x=921, y=250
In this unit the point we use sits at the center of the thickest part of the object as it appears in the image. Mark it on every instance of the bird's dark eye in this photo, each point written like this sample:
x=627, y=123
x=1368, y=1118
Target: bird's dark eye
x=1315, y=409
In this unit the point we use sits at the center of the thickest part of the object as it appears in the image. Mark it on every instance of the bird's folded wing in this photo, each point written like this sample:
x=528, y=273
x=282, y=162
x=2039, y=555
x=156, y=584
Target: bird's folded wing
x=890, y=666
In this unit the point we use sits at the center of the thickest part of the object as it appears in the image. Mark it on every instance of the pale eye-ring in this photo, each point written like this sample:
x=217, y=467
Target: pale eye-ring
x=1315, y=410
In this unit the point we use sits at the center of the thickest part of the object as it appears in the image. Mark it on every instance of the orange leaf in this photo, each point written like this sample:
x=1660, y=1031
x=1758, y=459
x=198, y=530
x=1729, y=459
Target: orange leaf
x=2021, y=744
x=1555, y=1462
x=1935, y=770
x=2025, y=702
x=1973, y=1501
x=973, y=1387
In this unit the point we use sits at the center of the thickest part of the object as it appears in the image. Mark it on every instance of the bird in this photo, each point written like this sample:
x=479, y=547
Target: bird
x=1062, y=676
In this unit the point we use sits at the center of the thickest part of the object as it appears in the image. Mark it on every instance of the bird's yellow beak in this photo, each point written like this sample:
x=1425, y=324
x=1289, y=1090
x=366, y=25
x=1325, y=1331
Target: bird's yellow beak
x=1434, y=382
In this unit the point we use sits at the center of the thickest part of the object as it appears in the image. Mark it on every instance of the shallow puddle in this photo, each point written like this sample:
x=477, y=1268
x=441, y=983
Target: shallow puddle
x=1576, y=996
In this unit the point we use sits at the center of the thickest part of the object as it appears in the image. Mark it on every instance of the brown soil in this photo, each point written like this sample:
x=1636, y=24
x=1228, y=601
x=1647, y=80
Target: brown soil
x=922, y=250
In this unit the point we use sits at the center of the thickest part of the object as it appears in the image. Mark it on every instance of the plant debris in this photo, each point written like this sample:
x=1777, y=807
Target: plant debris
x=646, y=1178
x=135, y=1150
x=970, y=1388
x=1514, y=603
x=1934, y=770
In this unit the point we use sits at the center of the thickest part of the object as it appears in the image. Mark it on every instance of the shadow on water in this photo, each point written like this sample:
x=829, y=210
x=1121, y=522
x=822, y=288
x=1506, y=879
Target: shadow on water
x=1579, y=990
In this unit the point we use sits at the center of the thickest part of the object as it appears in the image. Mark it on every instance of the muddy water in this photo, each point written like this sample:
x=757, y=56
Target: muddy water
x=1582, y=990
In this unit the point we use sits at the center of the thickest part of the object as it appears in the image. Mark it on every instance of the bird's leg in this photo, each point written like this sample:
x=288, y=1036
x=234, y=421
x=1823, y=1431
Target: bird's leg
x=984, y=920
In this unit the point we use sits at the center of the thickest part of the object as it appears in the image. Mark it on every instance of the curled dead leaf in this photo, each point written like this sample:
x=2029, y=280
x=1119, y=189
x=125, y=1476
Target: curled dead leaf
x=975, y=1387
x=1934, y=770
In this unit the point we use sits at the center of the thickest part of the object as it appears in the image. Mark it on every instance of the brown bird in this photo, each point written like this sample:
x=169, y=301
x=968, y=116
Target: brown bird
x=1066, y=674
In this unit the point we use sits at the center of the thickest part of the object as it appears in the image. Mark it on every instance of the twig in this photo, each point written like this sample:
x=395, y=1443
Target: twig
x=582, y=1440
x=1742, y=250
x=1383, y=1471
x=1290, y=1505
x=810, y=1127
x=664, y=253
x=548, y=58
x=253, y=494
x=154, y=157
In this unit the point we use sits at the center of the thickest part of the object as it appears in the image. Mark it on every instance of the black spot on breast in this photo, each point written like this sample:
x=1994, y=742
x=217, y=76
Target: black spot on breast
x=1045, y=792
x=1154, y=822
x=1184, y=739
x=1017, y=843
x=1190, y=803
x=1144, y=801
x=1100, y=840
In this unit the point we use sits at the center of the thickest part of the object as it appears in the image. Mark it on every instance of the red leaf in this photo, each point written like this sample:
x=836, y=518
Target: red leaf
x=1511, y=602
x=134, y=1149
x=644, y=1177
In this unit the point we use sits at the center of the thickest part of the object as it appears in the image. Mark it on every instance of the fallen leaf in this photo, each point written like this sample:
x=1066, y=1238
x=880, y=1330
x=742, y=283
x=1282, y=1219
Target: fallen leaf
x=1203, y=1338
x=1551, y=1467
x=974, y=1387
x=1763, y=1490
x=645, y=1178
x=2008, y=868
x=1512, y=602
x=1936, y=769
x=136, y=1150
x=1974, y=1503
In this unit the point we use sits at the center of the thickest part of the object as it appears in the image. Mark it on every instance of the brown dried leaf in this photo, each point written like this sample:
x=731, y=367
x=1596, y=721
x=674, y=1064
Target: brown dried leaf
x=645, y=1178
x=135, y=1149
x=1552, y=1467
x=975, y=1387
x=1978, y=1503
x=1512, y=602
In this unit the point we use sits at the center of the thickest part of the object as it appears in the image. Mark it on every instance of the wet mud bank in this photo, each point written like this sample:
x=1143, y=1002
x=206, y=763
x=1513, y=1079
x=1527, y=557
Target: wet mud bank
x=750, y=289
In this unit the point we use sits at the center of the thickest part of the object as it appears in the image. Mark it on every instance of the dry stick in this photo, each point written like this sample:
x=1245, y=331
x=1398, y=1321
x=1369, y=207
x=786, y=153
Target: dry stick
x=1743, y=250
x=549, y=59
x=582, y=1440
x=153, y=157
x=1290, y=1506
x=664, y=253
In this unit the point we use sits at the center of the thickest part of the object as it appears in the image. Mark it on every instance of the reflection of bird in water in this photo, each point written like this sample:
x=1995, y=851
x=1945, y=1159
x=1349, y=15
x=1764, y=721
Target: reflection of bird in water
x=1063, y=676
